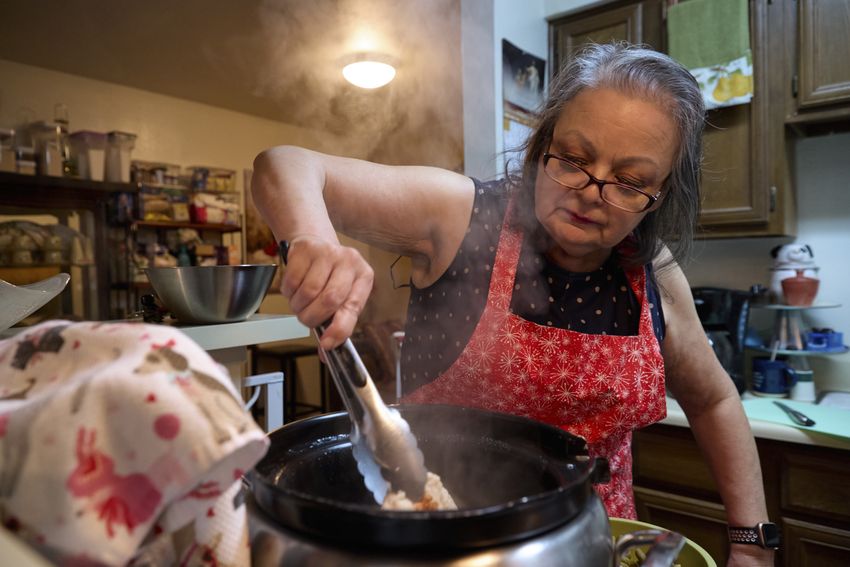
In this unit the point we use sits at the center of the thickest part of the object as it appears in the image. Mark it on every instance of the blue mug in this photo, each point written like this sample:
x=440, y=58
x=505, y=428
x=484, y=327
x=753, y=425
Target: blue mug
x=773, y=377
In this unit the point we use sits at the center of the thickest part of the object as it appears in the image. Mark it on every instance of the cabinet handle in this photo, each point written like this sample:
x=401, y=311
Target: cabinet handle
x=772, y=198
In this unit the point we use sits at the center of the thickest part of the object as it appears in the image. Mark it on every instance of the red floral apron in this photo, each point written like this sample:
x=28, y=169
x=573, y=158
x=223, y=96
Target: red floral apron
x=600, y=387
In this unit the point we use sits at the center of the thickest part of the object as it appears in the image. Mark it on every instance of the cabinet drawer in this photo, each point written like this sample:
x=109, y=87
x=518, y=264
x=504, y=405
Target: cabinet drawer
x=816, y=484
x=668, y=458
x=814, y=545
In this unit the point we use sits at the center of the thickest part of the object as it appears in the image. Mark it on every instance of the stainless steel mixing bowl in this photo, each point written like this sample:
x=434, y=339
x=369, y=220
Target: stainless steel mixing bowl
x=212, y=294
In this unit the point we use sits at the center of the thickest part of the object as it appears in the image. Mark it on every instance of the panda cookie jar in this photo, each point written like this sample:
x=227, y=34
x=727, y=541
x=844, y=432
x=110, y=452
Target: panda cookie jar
x=787, y=260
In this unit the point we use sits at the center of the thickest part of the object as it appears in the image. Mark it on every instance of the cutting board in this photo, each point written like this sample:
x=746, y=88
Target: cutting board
x=828, y=419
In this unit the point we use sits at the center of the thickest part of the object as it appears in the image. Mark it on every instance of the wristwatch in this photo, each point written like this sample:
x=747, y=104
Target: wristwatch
x=764, y=535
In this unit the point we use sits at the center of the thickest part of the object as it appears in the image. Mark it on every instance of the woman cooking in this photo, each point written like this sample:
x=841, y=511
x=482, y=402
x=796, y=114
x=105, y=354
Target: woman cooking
x=554, y=294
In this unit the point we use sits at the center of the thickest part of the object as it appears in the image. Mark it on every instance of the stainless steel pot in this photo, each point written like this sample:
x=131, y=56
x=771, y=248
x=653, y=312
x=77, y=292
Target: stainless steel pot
x=524, y=489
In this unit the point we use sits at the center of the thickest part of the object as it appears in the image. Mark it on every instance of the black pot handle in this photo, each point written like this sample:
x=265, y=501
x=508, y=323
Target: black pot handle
x=600, y=473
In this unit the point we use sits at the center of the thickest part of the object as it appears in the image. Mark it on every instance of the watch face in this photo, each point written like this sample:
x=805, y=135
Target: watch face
x=770, y=535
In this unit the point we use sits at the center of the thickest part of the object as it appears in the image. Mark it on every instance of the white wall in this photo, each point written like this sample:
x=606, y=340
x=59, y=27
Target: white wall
x=169, y=129
x=822, y=188
x=484, y=24
x=479, y=94
x=524, y=25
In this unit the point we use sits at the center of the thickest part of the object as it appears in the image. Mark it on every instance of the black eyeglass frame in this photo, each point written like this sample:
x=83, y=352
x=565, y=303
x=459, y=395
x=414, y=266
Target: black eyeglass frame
x=600, y=183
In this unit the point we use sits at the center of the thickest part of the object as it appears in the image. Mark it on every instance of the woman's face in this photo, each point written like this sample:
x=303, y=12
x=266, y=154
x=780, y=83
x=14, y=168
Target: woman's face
x=615, y=137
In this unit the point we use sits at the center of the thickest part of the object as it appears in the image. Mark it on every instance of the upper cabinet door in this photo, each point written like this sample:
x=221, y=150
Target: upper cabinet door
x=745, y=185
x=639, y=22
x=824, y=58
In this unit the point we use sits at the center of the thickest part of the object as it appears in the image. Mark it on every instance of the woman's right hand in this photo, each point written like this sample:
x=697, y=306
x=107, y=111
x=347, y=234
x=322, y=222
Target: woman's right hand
x=325, y=280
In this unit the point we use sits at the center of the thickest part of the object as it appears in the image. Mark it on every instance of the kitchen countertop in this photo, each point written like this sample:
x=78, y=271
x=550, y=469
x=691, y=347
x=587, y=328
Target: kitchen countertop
x=766, y=430
x=258, y=328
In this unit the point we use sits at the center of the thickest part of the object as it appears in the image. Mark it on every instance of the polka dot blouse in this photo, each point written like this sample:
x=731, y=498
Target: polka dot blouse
x=442, y=317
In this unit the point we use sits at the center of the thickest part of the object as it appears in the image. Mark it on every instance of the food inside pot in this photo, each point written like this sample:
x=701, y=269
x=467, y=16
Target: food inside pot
x=635, y=558
x=436, y=497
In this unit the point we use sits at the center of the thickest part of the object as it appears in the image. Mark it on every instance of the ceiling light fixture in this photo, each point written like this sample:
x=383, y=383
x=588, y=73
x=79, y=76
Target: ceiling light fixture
x=368, y=71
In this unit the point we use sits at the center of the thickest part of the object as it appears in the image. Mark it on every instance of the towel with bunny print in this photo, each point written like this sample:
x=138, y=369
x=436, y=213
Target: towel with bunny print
x=122, y=443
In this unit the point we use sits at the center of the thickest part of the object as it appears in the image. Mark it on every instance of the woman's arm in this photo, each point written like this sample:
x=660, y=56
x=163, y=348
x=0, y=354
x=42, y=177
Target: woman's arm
x=305, y=197
x=714, y=411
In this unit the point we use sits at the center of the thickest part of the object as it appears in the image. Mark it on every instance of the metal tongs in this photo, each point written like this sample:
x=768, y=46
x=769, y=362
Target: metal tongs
x=665, y=547
x=381, y=441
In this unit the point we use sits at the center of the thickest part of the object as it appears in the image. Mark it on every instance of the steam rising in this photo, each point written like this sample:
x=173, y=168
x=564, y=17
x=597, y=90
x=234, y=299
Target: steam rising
x=415, y=119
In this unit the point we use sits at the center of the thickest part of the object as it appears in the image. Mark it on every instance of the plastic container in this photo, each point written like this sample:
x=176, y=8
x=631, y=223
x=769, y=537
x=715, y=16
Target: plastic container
x=8, y=159
x=119, y=146
x=213, y=179
x=156, y=173
x=88, y=151
x=25, y=160
x=163, y=203
x=26, y=167
x=824, y=340
x=216, y=208
x=49, y=144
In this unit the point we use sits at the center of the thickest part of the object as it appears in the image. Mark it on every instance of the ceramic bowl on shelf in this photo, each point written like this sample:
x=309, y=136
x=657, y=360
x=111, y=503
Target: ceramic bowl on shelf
x=212, y=294
x=20, y=301
x=800, y=290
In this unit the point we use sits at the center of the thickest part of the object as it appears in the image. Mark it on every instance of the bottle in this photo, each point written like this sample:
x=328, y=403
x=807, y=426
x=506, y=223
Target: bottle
x=221, y=256
x=183, y=258
x=60, y=118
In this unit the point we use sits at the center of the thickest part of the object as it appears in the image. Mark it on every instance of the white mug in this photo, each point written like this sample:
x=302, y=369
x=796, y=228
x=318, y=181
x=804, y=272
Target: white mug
x=804, y=389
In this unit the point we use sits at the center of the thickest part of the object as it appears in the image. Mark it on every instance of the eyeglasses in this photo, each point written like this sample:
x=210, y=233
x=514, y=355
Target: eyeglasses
x=564, y=172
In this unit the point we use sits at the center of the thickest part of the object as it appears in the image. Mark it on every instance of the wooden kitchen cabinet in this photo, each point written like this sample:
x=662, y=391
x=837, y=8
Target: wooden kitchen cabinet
x=805, y=486
x=635, y=22
x=746, y=185
x=820, y=69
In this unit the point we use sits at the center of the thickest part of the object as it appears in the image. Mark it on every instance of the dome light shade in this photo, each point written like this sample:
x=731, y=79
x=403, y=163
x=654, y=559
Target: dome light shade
x=368, y=74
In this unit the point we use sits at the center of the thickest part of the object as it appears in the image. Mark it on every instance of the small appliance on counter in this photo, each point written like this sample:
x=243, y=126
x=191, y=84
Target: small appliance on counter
x=724, y=314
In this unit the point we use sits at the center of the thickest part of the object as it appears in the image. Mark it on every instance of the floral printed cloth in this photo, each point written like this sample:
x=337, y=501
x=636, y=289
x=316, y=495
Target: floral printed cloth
x=122, y=443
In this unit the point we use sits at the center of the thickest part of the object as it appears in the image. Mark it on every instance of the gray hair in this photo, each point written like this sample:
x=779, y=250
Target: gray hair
x=636, y=71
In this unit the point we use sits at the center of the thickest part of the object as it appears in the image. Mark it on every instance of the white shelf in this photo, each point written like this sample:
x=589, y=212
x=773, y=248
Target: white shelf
x=794, y=352
x=788, y=330
x=782, y=307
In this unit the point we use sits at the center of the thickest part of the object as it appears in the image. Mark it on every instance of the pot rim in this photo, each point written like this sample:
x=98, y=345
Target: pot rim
x=468, y=527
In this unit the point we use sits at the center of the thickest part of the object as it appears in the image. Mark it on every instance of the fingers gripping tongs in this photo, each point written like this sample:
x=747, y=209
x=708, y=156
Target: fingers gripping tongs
x=381, y=441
